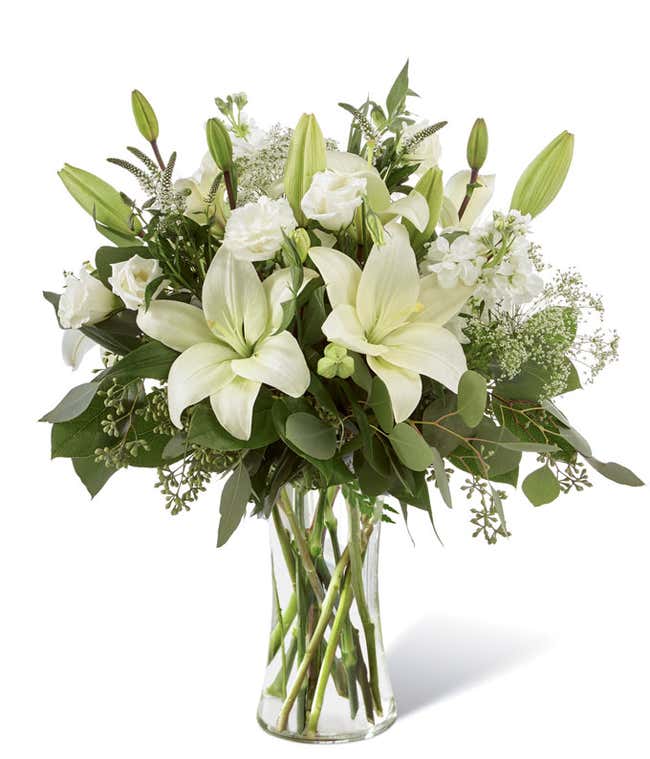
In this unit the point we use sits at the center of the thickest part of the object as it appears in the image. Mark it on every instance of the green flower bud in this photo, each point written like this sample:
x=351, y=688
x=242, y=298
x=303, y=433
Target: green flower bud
x=375, y=227
x=100, y=200
x=144, y=115
x=335, y=363
x=306, y=158
x=346, y=367
x=544, y=177
x=302, y=242
x=335, y=352
x=477, y=145
x=326, y=368
x=430, y=187
x=219, y=144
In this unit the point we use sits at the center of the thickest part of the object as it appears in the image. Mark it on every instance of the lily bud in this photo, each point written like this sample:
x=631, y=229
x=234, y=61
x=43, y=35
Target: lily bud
x=430, y=187
x=219, y=143
x=306, y=158
x=375, y=227
x=477, y=145
x=144, y=115
x=543, y=178
x=100, y=200
x=302, y=242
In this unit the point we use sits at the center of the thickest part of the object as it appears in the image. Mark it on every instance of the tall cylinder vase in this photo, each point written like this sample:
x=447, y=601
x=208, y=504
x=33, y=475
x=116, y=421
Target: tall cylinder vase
x=326, y=678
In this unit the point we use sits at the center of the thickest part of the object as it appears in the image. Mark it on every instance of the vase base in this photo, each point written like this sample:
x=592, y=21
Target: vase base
x=342, y=737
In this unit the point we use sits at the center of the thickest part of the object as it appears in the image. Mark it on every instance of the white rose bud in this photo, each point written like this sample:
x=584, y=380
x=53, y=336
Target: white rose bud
x=333, y=198
x=85, y=301
x=254, y=232
x=130, y=279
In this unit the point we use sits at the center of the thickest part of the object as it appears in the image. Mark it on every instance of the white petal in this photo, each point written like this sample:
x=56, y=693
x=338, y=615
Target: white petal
x=448, y=213
x=197, y=373
x=342, y=326
x=413, y=207
x=456, y=188
x=278, y=291
x=233, y=406
x=404, y=387
x=177, y=325
x=234, y=301
x=74, y=347
x=349, y=163
x=340, y=274
x=389, y=285
x=278, y=362
x=440, y=304
x=427, y=349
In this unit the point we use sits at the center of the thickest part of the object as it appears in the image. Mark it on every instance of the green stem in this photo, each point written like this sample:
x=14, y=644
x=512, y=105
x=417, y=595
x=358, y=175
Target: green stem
x=276, y=687
x=301, y=611
x=473, y=178
x=362, y=677
x=282, y=625
x=285, y=544
x=350, y=664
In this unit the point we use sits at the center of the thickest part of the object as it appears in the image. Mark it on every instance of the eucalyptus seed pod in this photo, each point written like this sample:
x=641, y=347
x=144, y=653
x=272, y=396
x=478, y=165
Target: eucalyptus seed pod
x=544, y=176
x=219, y=144
x=306, y=158
x=477, y=145
x=144, y=115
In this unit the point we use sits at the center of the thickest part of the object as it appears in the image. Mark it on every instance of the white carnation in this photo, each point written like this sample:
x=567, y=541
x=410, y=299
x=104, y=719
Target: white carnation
x=85, y=301
x=333, y=198
x=254, y=232
x=130, y=279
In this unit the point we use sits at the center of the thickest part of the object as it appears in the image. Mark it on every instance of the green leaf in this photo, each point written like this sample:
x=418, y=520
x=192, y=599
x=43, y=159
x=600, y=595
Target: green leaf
x=488, y=440
x=411, y=448
x=81, y=436
x=234, y=497
x=379, y=402
x=448, y=432
x=526, y=447
x=118, y=334
x=472, y=397
x=398, y=91
x=541, y=486
x=529, y=384
x=93, y=475
x=75, y=402
x=361, y=375
x=615, y=472
x=575, y=439
x=442, y=480
x=311, y=435
x=149, y=361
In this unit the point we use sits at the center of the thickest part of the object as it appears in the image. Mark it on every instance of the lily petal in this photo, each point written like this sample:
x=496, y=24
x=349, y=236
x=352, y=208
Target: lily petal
x=349, y=163
x=278, y=291
x=177, y=325
x=427, y=349
x=340, y=274
x=234, y=301
x=456, y=188
x=389, y=285
x=342, y=326
x=197, y=373
x=413, y=207
x=233, y=406
x=404, y=386
x=440, y=304
x=74, y=347
x=278, y=362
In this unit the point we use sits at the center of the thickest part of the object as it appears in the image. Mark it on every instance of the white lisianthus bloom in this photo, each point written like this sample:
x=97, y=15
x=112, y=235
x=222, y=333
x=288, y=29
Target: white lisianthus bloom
x=254, y=231
x=74, y=346
x=84, y=301
x=130, y=279
x=427, y=152
x=455, y=191
x=332, y=199
x=393, y=317
x=230, y=346
x=461, y=260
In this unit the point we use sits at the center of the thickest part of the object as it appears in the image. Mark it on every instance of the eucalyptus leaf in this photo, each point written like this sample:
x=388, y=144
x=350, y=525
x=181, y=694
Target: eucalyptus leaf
x=311, y=435
x=472, y=397
x=411, y=448
x=615, y=472
x=379, y=402
x=541, y=486
x=234, y=497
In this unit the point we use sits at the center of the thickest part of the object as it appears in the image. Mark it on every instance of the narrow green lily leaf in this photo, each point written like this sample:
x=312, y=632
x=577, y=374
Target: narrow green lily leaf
x=411, y=448
x=541, y=487
x=232, y=507
x=472, y=397
x=311, y=435
x=398, y=91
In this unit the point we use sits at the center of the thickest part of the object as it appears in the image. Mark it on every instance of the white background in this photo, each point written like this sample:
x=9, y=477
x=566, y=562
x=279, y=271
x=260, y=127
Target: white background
x=124, y=632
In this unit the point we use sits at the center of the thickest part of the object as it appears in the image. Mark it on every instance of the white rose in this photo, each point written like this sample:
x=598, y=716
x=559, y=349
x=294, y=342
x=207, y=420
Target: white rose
x=130, y=279
x=333, y=198
x=254, y=232
x=85, y=301
x=427, y=152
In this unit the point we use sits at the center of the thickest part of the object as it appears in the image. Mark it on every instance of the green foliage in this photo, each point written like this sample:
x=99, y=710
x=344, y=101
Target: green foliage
x=234, y=497
x=311, y=435
x=541, y=486
x=410, y=447
x=472, y=398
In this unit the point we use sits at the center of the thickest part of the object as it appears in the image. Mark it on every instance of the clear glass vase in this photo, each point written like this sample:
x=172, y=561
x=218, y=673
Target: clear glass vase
x=326, y=677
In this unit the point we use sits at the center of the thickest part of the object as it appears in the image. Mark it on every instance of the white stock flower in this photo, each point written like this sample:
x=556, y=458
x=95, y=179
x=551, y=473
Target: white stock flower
x=250, y=139
x=230, y=346
x=461, y=260
x=513, y=282
x=332, y=199
x=84, y=301
x=427, y=152
x=254, y=231
x=393, y=317
x=130, y=279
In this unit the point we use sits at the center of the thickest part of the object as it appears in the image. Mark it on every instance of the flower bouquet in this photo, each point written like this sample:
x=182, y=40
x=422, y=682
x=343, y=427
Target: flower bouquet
x=339, y=332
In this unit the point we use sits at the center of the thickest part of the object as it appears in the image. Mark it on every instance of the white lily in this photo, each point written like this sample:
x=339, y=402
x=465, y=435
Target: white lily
x=455, y=190
x=394, y=317
x=74, y=347
x=230, y=346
